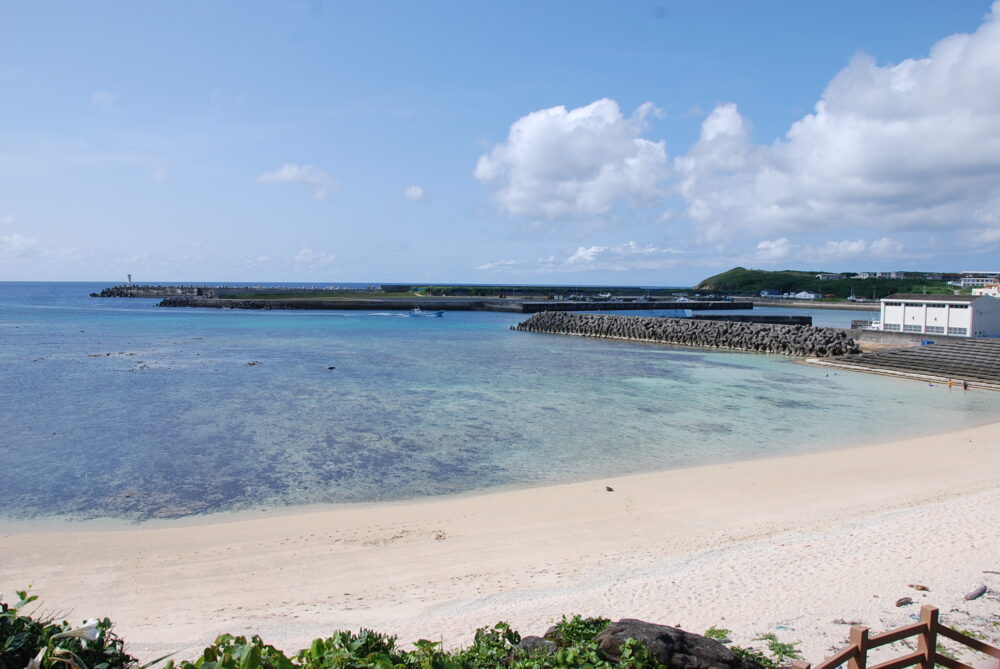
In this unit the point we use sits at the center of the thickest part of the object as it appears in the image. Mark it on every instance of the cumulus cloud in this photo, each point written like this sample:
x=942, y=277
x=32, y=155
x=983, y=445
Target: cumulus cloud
x=565, y=163
x=912, y=146
x=307, y=256
x=104, y=101
x=290, y=173
x=415, y=193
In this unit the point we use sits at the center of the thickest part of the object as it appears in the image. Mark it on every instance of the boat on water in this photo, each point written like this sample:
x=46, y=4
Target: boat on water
x=417, y=311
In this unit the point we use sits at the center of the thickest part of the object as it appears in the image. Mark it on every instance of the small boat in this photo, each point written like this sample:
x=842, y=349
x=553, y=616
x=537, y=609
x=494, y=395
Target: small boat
x=417, y=311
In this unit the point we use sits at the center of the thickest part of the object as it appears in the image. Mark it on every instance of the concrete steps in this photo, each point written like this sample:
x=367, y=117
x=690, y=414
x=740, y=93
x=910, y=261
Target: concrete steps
x=971, y=360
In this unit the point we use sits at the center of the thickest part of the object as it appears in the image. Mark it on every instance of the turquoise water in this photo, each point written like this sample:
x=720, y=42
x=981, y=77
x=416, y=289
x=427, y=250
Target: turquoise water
x=114, y=407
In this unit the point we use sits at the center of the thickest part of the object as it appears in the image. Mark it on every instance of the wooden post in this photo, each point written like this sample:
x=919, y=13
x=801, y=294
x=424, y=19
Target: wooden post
x=859, y=639
x=927, y=645
x=801, y=664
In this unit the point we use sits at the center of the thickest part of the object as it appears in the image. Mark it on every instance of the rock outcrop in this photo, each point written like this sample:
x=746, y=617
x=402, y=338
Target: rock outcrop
x=670, y=646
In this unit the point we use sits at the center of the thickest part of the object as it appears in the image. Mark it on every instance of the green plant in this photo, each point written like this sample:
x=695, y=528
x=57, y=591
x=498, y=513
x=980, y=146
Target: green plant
x=783, y=652
x=577, y=629
x=756, y=656
x=41, y=643
x=718, y=633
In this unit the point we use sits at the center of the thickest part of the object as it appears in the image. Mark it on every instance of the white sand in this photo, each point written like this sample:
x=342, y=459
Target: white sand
x=785, y=545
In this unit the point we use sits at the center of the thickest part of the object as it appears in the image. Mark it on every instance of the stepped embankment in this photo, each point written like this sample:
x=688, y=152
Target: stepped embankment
x=796, y=340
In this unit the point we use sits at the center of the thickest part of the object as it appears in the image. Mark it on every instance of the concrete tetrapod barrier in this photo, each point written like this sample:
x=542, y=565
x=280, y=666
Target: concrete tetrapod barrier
x=798, y=340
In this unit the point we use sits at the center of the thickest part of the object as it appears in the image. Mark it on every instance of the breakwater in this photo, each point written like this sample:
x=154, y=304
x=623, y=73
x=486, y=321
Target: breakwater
x=155, y=291
x=434, y=303
x=797, y=340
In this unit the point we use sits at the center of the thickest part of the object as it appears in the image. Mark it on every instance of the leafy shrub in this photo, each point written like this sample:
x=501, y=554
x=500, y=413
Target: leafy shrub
x=577, y=629
x=41, y=643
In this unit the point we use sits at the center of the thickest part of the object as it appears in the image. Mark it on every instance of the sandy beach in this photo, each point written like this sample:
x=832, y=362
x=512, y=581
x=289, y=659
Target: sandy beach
x=798, y=545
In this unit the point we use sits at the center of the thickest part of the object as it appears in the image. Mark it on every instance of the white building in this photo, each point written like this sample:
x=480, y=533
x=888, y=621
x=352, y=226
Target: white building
x=804, y=295
x=971, y=279
x=991, y=289
x=958, y=315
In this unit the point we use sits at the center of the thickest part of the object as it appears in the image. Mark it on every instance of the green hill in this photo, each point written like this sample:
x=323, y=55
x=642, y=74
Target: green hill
x=740, y=280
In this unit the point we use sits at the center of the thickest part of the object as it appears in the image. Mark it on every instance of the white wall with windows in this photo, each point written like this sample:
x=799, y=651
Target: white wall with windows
x=961, y=316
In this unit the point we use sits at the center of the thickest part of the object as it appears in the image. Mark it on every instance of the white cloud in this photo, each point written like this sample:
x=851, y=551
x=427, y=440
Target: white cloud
x=16, y=245
x=773, y=250
x=781, y=249
x=104, y=101
x=499, y=264
x=623, y=257
x=307, y=256
x=628, y=256
x=290, y=173
x=902, y=147
x=415, y=193
x=559, y=163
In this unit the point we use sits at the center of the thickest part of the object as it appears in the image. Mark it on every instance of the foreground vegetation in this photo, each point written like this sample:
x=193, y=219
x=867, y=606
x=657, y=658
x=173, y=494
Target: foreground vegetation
x=33, y=641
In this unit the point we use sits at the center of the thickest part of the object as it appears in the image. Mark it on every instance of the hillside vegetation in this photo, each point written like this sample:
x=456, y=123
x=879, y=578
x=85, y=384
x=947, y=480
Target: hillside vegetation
x=740, y=280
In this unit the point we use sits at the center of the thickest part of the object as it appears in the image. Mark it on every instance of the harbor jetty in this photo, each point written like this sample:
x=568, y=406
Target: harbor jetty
x=440, y=304
x=796, y=340
x=404, y=297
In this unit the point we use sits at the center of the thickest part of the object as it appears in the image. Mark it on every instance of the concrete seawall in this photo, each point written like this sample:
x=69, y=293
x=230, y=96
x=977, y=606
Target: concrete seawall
x=797, y=340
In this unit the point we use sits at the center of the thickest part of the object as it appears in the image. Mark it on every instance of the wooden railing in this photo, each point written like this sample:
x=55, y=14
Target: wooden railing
x=927, y=655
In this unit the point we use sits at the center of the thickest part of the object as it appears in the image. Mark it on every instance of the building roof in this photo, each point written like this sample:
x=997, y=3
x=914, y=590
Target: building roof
x=917, y=297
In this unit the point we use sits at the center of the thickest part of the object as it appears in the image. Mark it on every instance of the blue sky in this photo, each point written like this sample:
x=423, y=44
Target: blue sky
x=650, y=143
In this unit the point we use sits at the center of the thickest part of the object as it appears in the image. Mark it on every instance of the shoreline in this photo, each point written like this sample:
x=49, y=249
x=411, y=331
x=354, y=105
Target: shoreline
x=745, y=545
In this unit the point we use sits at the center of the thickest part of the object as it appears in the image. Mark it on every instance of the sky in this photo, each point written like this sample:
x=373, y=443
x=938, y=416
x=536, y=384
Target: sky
x=556, y=142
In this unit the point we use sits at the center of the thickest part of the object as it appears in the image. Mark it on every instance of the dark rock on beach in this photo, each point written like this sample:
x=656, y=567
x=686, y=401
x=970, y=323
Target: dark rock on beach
x=671, y=646
x=536, y=644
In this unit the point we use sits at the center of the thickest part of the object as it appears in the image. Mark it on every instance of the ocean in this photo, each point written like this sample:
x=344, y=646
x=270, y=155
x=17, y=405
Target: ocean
x=115, y=408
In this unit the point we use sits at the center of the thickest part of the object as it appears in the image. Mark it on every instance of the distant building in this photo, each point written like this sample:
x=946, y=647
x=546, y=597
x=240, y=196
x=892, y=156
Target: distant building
x=880, y=275
x=933, y=276
x=806, y=295
x=830, y=277
x=770, y=293
x=974, y=279
x=991, y=289
x=956, y=315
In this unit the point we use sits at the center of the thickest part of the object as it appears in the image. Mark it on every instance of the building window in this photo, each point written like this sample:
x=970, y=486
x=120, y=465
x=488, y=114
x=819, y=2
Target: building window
x=912, y=328
x=893, y=304
x=958, y=331
x=960, y=306
x=936, y=306
x=934, y=329
x=914, y=304
x=893, y=327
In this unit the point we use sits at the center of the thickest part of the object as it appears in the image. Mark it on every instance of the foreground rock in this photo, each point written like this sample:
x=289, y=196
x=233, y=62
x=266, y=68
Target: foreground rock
x=671, y=646
x=798, y=340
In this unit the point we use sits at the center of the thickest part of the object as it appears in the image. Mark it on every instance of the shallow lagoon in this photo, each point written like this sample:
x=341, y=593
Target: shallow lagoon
x=114, y=407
